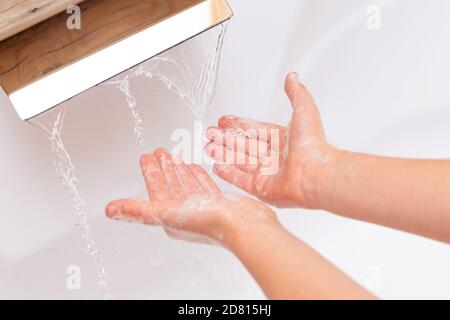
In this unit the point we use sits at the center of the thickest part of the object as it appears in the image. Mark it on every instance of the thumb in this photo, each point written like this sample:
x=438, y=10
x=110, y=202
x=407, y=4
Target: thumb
x=296, y=92
x=306, y=124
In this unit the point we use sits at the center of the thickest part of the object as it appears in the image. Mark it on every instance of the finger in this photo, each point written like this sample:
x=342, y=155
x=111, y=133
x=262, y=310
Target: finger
x=239, y=159
x=206, y=183
x=260, y=130
x=154, y=178
x=296, y=92
x=170, y=174
x=187, y=180
x=238, y=141
x=235, y=176
x=152, y=213
x=167, y=214
x=306, y=125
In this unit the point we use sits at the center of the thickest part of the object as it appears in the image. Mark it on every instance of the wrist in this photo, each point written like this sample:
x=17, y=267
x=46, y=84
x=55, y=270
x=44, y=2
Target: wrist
x=240, y=232
x=328, y=178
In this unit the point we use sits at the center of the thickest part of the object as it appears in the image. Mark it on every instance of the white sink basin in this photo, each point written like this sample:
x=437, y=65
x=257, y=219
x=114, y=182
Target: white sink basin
x=380, y=91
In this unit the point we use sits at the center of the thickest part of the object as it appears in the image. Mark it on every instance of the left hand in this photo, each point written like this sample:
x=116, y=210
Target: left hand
x=281, y=166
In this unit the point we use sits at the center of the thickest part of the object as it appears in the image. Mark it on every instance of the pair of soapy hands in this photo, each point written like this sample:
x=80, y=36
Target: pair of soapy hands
x=185, y=200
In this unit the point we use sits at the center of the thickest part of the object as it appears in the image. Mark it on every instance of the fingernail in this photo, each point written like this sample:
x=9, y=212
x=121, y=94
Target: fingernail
x=143, y=157
x=177, y=159
x=112, y=210
x=165, y=156
x=229, y=117
x=294, y=77
x=218, y=166
x=212, y=133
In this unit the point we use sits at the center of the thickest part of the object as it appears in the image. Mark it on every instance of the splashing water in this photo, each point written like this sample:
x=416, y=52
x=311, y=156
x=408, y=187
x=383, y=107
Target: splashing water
x=197, y=97
x=124, y=86
x=65, y=170
x=194, y=83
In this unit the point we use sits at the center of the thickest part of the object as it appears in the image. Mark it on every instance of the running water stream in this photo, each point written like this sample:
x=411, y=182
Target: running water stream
x=193, y=83
x=65, y=170
x=195, y=88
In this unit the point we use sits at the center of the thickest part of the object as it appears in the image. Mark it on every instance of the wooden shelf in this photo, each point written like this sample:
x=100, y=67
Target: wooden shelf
x=49, y=45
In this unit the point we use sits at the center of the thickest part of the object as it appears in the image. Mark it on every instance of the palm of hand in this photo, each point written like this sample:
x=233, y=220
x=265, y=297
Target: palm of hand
x=185, y=201
x=279, y=165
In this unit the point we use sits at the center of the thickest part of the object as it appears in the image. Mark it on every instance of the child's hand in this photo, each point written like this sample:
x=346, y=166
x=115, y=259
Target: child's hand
x=281, y=166
x=187, y=203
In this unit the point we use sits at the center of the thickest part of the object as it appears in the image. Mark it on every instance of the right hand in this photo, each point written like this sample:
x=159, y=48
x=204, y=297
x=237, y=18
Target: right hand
x=284, y=169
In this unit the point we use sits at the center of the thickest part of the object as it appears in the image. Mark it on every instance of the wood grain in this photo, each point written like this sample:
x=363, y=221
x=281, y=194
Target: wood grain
x=18, y=15
x=49, y=45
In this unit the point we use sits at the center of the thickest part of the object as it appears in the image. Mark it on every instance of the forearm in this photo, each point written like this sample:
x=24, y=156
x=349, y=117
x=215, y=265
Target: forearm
x=287, y=268
x=410, y=195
